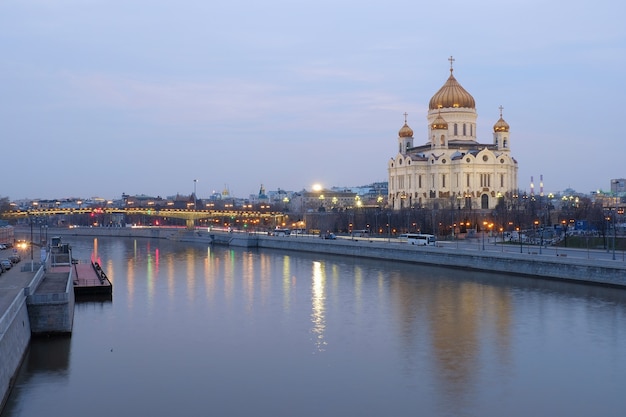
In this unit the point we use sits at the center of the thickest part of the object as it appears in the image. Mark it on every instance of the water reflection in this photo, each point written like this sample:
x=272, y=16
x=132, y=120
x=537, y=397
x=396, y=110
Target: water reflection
x=318, y=300
x=343, y=336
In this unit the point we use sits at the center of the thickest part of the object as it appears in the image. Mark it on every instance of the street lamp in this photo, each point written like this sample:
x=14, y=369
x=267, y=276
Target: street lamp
x=195, y=199
x=484, y=227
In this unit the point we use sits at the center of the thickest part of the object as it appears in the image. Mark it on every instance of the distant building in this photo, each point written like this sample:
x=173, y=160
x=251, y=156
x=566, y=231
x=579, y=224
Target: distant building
x=323, y=200
x=618, y=186
x=452, y=167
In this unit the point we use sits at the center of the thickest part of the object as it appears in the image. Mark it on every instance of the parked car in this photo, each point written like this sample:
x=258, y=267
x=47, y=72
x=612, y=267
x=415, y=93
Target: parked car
x=6, y=264
x=15, y=258
x=3, y=246
x=328, y=236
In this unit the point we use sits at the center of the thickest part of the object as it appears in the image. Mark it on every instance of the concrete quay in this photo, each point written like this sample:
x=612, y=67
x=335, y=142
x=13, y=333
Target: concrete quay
x=15, y=329
x=32, y=301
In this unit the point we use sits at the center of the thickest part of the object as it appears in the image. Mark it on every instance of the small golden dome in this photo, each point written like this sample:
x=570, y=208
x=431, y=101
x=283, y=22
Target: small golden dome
x=501, y=125
x=452, y=95
x=439, y=123
x=405, y=131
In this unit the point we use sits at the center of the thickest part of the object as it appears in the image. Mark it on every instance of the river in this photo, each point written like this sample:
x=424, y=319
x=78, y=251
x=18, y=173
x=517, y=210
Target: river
x=194, y=330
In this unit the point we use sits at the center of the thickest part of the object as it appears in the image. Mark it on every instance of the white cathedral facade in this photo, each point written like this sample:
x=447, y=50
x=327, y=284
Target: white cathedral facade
x=452, y=169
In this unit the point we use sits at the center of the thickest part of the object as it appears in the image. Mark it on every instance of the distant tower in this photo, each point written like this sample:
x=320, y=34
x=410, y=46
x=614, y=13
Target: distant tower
x=262, y=195
x=532, y=187
x=541, y=185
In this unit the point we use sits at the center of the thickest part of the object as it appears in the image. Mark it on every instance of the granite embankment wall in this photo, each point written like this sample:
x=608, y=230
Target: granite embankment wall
x=14, y=339
x=521, y=264
x=27, y=314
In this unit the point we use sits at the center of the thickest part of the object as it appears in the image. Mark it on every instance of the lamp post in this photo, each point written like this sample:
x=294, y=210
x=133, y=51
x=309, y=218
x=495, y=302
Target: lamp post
x=195, y=199
x=484, y=227
x=31, y=245
x=614, y=230
x=536, y=223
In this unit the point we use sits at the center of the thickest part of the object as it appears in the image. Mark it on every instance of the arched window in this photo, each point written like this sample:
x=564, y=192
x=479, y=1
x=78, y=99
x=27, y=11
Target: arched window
x=408, y=145
x=484, y=201
x=464, y=131
x=504, y=142
x=443, y=140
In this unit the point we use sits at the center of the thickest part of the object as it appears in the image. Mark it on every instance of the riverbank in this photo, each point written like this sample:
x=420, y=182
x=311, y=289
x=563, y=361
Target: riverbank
x=563, y=266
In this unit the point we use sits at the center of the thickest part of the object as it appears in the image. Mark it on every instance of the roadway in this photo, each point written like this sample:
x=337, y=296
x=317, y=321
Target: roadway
x=492, y=245
x=13, y=281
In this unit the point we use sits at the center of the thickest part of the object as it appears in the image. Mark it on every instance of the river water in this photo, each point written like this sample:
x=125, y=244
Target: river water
x=196, y=331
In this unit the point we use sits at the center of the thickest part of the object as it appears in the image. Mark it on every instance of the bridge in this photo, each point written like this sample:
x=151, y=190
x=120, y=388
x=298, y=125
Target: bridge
x=189, y=215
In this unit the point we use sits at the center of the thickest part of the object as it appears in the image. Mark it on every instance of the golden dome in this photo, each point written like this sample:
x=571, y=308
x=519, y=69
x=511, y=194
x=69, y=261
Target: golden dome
x=501, y=125
x=452, y=95
x=439, y=123
x=405, y=131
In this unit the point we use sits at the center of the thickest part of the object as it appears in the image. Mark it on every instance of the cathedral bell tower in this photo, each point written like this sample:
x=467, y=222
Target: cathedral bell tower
x=439, y=132
x=501, y=134
x=405, y=137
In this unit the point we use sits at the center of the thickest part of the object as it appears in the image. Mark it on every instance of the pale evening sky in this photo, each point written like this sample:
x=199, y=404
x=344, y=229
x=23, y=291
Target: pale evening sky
x=102, y=97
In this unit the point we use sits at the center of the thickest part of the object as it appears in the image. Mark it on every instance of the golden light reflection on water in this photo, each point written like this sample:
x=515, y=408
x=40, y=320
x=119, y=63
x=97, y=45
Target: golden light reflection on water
x=318, y=301
x=264, y=273
x=190, y=261
x=210, y=264
x=150, y=276
x=247, y=262
x=229, y=275
x=287, y=281
x=95, y=256
x=171, y=275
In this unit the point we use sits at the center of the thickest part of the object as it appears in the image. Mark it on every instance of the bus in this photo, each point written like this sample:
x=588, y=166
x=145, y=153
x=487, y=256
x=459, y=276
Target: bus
x=420, y=239
x=281, y=232
x=361, y=233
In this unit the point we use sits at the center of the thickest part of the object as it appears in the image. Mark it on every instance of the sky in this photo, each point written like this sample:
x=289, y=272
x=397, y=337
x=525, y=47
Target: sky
x=100, y=98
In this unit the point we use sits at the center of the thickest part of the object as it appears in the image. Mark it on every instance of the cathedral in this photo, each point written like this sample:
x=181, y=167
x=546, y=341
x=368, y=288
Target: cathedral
x=452, y=169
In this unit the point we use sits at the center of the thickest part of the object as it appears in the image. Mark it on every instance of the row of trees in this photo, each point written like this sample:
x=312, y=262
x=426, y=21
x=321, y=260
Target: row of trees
x=527, y=214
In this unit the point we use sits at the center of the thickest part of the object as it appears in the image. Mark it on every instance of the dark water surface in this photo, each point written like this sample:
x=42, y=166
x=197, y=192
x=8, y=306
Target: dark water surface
x=199, y=331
